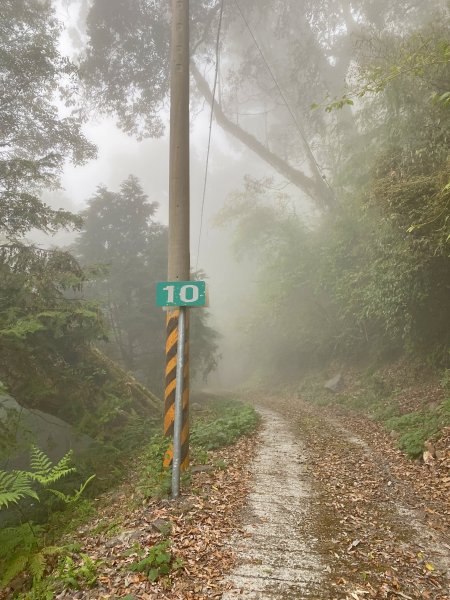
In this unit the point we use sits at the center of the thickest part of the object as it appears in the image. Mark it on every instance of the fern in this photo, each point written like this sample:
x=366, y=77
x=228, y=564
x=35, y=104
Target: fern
x=23, y=548
x=36, y=565
x=44, y=472
x=22, y=536
x=76, y=495
x=15, y=566
x=14, y=486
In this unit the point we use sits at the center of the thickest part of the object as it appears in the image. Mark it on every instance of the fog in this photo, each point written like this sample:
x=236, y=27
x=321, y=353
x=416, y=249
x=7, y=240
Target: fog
x=295, y=111
x=271, y=106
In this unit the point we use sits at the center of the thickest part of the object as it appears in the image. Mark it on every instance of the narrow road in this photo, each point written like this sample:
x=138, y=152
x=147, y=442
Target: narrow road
x=276, y=548
x=328, y=519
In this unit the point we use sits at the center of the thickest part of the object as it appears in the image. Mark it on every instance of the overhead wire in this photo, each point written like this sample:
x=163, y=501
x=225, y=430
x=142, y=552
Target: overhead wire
x=205, y=181
x=282, y=95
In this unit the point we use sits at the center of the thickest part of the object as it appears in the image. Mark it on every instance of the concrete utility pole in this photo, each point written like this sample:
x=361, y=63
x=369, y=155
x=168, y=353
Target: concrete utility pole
x=179, y=255
x=176, y=418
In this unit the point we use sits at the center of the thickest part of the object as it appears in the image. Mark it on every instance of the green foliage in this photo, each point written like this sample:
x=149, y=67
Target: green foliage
x=121, y=234
x=44, y=472
x=417, y=56
x=158, y=562
x=155, y=481
x=41, y=590
x=235, y=420
x=370, y=279
x=77, y=572
x=25, y=547
x=418, y=427
x=35, y=140
x=75, y=497
x=14, y=486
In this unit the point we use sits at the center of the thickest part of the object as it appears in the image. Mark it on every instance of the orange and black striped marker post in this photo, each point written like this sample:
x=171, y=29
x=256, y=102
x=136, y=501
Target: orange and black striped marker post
x=172, y=322
x=177, y=368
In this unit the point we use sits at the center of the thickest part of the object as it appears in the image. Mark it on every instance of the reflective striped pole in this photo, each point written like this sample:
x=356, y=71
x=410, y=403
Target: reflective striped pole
x=179, y=253
x=178, y=417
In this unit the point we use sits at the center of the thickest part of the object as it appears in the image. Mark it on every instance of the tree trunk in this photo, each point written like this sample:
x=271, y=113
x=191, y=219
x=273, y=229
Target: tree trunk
x=314, y=186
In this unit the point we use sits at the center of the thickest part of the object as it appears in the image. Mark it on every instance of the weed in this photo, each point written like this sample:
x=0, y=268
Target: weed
x=155, y=480
x=41, y=590
x=158, y=562
x=107, y=527
x=77, y=575
x=445, y=380
x=220, y=464
x=237, y=420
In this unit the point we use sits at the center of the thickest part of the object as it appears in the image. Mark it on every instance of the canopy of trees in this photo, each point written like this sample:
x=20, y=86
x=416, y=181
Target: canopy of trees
x=372, y=278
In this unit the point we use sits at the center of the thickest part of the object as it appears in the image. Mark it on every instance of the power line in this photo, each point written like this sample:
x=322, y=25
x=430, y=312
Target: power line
x=209, y=133
x=283, y=96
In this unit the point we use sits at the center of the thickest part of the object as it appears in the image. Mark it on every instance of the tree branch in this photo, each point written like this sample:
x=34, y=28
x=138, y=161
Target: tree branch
x=315, y=188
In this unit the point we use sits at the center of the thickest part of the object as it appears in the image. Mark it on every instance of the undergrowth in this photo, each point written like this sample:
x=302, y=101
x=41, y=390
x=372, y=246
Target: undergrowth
x=376, y=398
x=416, y=428
x=53, y=565
x=219, y=423
x=232, y=421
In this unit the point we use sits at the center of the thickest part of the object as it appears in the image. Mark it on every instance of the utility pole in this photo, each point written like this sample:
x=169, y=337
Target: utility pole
x=179, y=255
x=176, y=404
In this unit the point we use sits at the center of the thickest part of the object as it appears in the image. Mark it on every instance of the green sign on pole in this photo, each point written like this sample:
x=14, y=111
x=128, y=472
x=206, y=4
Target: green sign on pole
x=180, y=293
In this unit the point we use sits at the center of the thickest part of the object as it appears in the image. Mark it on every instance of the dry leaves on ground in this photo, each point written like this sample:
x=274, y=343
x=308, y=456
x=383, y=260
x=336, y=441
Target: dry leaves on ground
x=201, y=523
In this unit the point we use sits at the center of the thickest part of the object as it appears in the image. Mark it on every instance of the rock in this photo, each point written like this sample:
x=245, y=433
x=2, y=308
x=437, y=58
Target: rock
x=51, y=434
x=428, y=458
x=335, y=383
x=202, y=468
x=127, y=536
x=163, y=526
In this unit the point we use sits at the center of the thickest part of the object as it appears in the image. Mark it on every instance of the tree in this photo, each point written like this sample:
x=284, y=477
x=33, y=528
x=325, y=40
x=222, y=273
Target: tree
x=121, y=235
x=46, y=329
x=35, y=142
x=309, y=46
x=35, y=139
x=373, y=279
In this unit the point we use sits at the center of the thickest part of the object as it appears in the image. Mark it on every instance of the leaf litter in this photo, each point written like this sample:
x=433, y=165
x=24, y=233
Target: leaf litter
x=198, y=525
x=383, y=520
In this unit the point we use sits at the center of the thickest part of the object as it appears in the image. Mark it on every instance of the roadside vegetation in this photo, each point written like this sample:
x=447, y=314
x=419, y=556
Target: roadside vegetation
x=409, y=401
x=37, y=547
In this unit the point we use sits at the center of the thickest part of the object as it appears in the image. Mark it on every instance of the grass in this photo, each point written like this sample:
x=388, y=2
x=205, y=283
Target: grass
x=219, y=422
x=416, y=428
x=231, y=421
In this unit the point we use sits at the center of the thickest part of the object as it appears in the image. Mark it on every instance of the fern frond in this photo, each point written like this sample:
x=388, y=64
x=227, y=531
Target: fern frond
x=15, y=566
x=14, y=486
x=52, y=550
x=67, y=499
x=44, y=471
x=25, y=536
x=37, y=565
x=40, y=462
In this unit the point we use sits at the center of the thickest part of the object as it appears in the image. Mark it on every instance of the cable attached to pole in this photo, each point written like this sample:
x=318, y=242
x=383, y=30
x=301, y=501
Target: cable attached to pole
x=283, y=96
x=210, y=131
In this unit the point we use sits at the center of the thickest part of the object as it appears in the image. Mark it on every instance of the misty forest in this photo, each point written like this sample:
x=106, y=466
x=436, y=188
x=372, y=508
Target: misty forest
x=298, y=445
